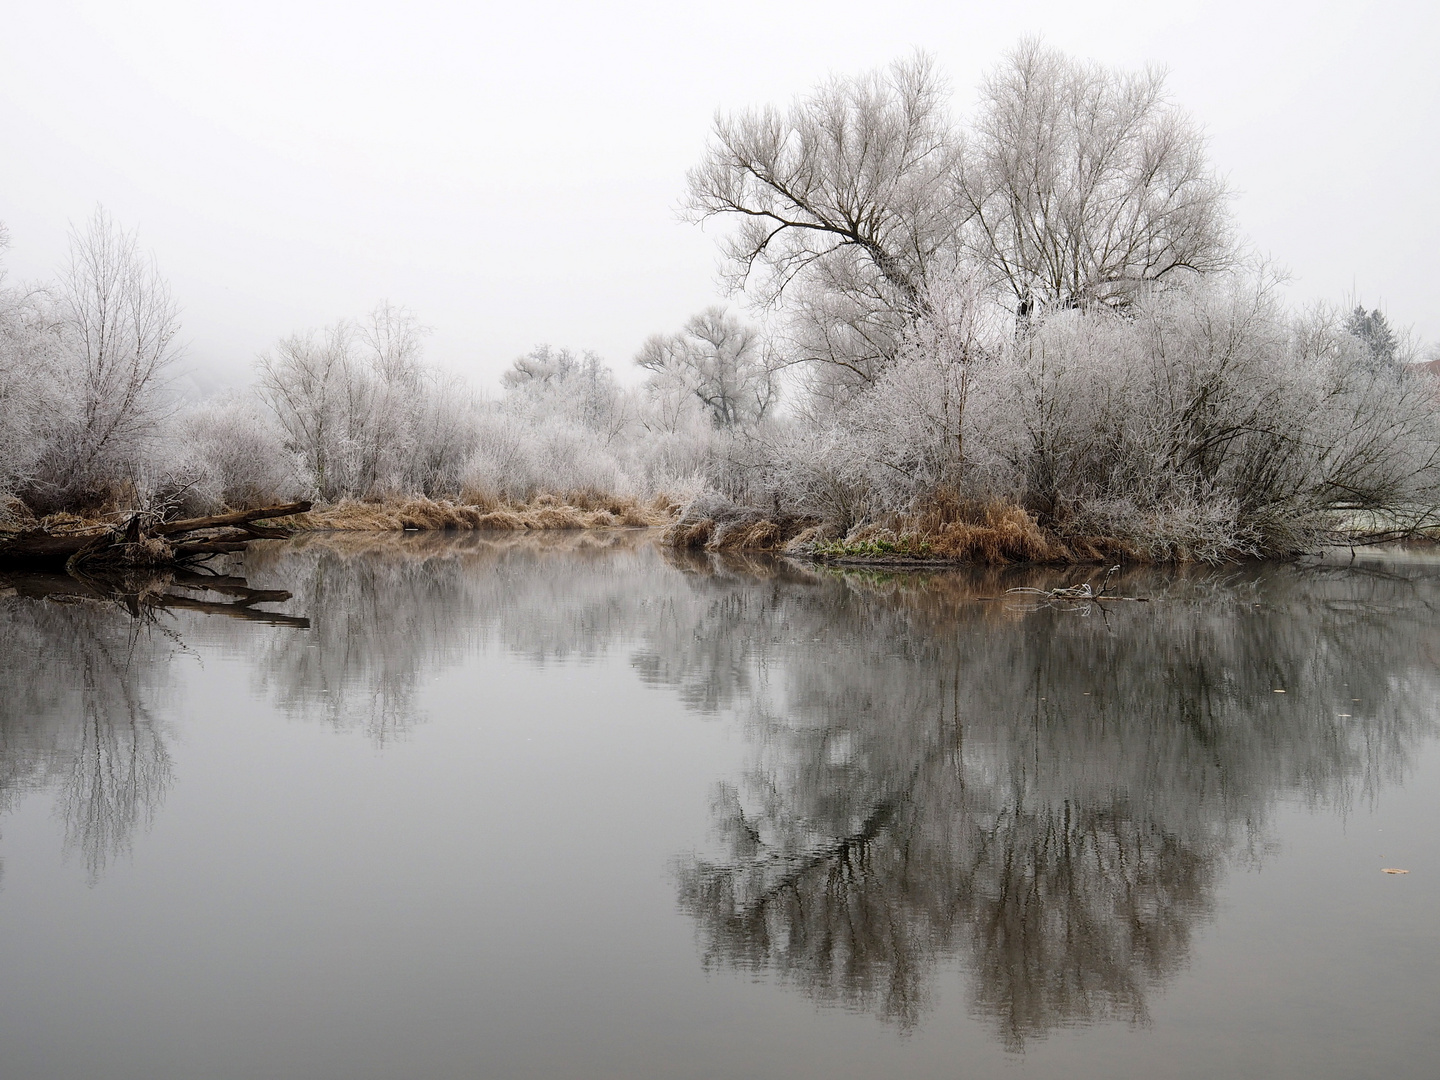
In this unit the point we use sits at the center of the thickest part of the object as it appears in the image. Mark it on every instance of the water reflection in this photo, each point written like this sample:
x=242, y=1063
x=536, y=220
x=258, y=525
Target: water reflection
x=91, y=734
x=1049, y=797
x=84, y=677
x=389, y=611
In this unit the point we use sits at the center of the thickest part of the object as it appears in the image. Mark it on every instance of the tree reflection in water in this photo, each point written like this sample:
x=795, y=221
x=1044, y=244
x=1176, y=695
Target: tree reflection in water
x=75, y=715
x=1048, y=798
x=85, y=665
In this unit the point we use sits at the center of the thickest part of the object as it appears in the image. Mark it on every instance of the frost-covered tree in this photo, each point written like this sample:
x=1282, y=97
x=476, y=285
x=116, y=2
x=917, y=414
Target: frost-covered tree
x=1082, y=184
x=550, y=382
x=118, y=325
x=309, y=383
x=721, y=361
x=1074, y=185
x=31, y=398
x=841, y=207
x=362, y=411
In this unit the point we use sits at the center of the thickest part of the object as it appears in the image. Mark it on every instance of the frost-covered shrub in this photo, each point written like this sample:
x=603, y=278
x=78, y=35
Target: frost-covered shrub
x=32, y=404
x=1207, y=420
x=234, y=452
x=556, y=384
x=363, y=414
x=516, y=458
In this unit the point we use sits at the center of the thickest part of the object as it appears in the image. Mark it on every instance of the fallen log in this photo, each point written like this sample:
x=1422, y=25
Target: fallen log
x=135, y=544
x=238, y=517
x=39, y=550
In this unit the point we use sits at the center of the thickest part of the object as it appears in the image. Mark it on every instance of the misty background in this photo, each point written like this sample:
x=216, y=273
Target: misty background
x=513, y=174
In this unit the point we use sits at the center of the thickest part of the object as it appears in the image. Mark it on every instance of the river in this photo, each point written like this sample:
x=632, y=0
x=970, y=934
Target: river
x=575, y=806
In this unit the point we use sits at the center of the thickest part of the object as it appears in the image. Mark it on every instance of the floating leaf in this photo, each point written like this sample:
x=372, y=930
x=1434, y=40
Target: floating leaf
x=1392, y=870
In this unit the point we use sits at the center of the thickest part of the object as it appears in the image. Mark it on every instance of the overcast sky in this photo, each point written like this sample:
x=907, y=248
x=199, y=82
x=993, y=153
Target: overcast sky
x=512, y=171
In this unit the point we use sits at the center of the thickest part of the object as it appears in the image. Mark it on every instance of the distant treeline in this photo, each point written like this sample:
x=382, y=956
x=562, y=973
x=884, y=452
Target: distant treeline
x=1044, y=307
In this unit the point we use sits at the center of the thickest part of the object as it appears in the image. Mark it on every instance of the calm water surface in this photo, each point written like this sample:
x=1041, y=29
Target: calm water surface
x=573, y=807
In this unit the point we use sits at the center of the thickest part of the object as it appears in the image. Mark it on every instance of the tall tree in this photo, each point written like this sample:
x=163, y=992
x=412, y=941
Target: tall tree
x=1082, y=184
x=1373, y=329
x=1076, y=186
x=842, y=207
x=119, y=324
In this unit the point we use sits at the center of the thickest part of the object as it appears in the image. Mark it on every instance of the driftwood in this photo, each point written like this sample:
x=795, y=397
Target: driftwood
x=1075, y=595
x=135, y=543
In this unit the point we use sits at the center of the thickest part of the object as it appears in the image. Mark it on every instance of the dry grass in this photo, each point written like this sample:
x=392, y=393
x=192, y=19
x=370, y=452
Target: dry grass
x=584, y=510
x=760, y=535
x=733, y=529
x=990, y=532
x=689, y=535
x=948, y=528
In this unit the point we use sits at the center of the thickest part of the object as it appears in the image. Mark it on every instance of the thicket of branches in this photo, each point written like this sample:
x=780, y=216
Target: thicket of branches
x=1042, y=306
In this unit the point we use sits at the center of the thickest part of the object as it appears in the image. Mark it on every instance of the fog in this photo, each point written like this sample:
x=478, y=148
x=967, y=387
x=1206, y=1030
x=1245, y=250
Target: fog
x=514, y=174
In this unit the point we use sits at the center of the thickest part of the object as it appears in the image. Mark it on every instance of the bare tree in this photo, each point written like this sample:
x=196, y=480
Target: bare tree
x=843, y=204
x=1083, y=183
x=309, y=384
x=392, y=336
x=1077, y=186
x=556, y=383
x=363, y=411
x=32, y=401
x=389, y=433
x=721, y=361
x=120, y=324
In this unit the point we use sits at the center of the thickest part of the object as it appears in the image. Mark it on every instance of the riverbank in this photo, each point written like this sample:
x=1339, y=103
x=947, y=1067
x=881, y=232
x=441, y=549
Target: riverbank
x=945, y=531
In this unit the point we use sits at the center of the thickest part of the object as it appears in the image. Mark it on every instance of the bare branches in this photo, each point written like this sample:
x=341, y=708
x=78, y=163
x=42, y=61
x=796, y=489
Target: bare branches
x=1083, y=184
x=115, y=325
x=719, y=360
x=1075, y=186
x=361, y=410
x=846, y=197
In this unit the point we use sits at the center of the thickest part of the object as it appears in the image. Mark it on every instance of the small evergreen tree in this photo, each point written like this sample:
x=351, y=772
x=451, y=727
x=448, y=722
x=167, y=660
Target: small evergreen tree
x=1373, y=329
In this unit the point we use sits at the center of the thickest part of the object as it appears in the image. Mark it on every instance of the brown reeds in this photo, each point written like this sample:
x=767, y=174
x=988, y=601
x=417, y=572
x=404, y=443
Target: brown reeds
x=549, y=512
x=689, y=535
x=950, y=528
x=760, y=535
x=733, y=529
x=987, y=531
